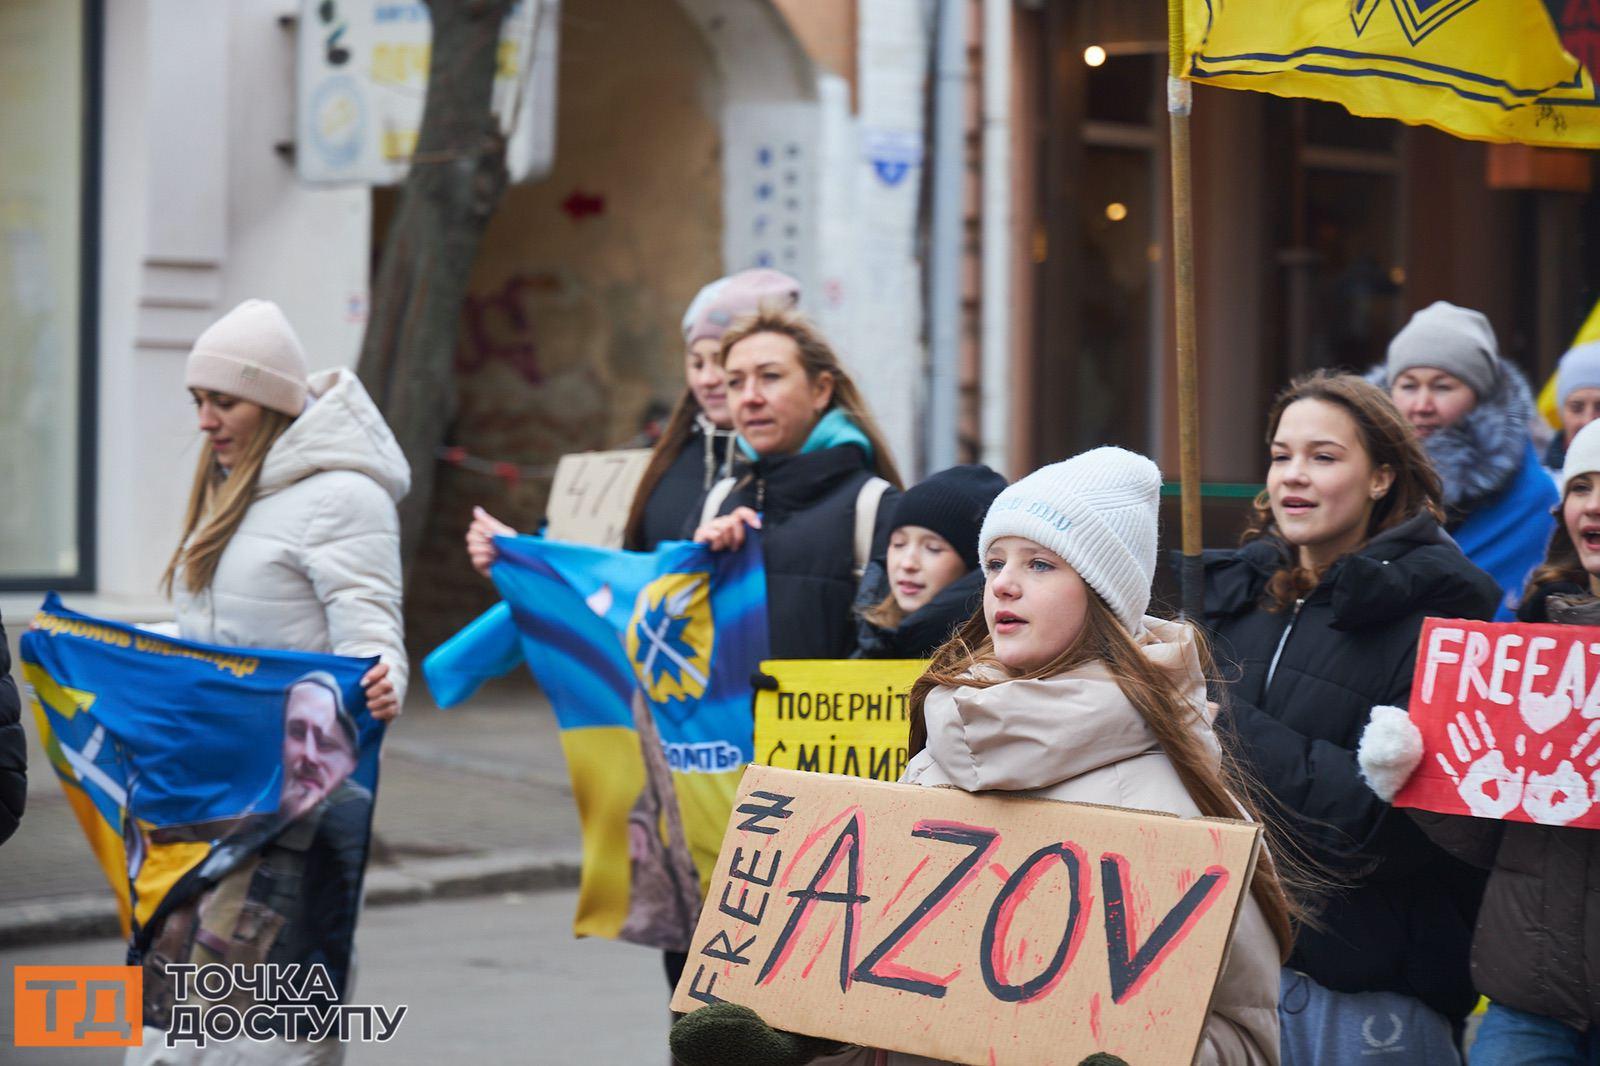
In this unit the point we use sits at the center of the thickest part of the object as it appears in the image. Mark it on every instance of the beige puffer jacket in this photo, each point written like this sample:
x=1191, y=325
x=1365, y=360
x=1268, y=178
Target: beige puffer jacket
x=315, y=565
x=1076, y=737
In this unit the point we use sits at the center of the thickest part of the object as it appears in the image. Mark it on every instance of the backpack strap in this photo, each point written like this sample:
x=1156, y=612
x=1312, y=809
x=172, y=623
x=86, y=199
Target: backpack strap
x=716, y=498
x=867, y=501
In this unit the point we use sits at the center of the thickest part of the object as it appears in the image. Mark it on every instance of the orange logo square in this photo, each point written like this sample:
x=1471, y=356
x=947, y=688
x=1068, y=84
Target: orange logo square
x=78, y=1006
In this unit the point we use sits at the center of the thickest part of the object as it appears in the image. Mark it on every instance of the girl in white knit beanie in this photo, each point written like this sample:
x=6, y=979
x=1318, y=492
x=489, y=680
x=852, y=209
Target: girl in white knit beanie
x=1061, y=687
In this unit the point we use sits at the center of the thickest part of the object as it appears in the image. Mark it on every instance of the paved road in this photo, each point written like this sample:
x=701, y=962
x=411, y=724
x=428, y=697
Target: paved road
x=495, y=980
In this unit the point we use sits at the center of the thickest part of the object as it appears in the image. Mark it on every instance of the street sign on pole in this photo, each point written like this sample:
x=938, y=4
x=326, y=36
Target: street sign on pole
x=362, y=76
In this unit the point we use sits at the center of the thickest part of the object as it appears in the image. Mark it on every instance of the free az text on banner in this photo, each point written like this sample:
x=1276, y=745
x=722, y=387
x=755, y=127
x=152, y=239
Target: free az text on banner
x=647, y=659
x=1489, y=72
x=226, y=792
x=1510, y=722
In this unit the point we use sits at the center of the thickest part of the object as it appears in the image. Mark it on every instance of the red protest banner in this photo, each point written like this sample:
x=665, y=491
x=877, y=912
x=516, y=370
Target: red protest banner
x=1510, y=721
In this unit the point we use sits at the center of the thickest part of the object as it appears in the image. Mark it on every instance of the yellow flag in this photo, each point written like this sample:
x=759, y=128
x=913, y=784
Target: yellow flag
x=1491, y=71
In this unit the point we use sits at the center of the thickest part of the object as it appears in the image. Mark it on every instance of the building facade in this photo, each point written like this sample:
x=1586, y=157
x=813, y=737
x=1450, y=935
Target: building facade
x=147, y=184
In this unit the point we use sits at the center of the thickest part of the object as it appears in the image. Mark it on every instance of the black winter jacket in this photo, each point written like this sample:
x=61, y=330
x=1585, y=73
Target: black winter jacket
x=13, y=748
x=921, y=632
x=1537, y=945
x=1400, y=917
x=808, y=505
x=673, y=510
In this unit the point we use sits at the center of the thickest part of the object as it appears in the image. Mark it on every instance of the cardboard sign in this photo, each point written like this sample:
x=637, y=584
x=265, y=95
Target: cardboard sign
x=1510, y=721
x=972, y=928
x=836, y=716
x=592, y=494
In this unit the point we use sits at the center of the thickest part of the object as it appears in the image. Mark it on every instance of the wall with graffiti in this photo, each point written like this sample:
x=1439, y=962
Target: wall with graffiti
x=570, y=339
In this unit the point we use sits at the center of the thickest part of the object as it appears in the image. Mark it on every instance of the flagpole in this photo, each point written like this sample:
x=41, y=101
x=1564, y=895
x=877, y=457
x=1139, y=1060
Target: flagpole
x=1191, y=576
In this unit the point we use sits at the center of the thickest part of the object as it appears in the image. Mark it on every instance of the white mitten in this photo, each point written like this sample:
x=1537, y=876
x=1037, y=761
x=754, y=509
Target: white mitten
x=1390, y=750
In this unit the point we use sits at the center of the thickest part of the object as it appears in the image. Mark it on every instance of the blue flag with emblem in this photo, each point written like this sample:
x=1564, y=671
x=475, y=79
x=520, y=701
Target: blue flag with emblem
x=646, y=658
x=208, y=780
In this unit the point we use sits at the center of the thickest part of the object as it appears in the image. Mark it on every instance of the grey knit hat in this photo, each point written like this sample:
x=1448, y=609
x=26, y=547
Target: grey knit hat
x=1578, y=369
x=1454, y=339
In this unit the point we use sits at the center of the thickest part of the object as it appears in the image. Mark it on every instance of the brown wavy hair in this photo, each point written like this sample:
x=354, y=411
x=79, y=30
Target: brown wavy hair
x=1388, y=440
x=1218, y=790
x=1561, y=562
x=218, y=500
x=817, y=357
x=674, y=437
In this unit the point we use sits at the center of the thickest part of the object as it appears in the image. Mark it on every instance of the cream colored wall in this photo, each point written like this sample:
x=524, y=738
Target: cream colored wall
x=198, y=212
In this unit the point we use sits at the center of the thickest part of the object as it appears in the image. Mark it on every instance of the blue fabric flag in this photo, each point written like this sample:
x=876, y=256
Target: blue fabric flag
x=647, y=659
x=191, y=767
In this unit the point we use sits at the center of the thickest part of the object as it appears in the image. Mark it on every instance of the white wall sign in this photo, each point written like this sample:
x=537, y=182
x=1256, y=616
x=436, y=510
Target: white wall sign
x=362, y=75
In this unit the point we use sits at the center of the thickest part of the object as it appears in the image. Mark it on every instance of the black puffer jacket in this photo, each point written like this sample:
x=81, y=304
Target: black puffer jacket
x=13, y=748
x=921, y=632
x=1401, y=920
x=808, y=505
x=1537, y=945
x=673, y=510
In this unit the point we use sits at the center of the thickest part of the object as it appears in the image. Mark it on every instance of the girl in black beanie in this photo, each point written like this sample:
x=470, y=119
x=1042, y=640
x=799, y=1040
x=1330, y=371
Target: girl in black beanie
x=928, y=583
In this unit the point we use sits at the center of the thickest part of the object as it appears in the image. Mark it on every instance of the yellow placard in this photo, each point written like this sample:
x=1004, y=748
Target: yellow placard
x=836, y=716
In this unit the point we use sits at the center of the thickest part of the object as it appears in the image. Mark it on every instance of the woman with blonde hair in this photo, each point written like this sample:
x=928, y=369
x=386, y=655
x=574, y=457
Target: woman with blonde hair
x=696, y=446
x=820, y=484
x=291, y=539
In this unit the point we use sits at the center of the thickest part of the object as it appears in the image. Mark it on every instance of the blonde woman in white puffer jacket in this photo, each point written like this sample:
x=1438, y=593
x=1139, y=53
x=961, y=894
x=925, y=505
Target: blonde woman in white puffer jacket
x=291, y=541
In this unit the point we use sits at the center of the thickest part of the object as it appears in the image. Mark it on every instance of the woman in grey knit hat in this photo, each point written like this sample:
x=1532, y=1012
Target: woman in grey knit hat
x=1473, y=412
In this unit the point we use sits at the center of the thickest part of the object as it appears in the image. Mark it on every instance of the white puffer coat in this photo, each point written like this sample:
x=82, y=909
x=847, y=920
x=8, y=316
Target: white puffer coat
x=315, y=565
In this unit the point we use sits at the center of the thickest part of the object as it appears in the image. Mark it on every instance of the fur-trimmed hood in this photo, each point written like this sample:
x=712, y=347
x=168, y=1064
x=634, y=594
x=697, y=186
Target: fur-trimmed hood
x=1480, y=455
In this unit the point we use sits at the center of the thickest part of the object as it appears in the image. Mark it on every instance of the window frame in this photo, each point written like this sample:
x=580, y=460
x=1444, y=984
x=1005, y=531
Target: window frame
x=88, y=333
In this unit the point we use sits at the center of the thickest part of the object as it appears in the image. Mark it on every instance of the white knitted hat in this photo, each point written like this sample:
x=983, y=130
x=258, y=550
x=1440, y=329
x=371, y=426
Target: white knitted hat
x=1098, y=512
x=251, y=353
x=1583, y=455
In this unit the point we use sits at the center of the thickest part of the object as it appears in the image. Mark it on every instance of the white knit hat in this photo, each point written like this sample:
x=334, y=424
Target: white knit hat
x=251, y=353
x=1098, y=512
x=1583, y=455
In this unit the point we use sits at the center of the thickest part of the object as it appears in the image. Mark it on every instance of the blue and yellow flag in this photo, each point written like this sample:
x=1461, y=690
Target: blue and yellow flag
x=1486, y=71
x=647, y=660
x=192, y=766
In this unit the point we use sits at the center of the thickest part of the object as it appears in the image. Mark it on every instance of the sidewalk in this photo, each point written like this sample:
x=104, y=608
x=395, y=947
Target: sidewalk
x=470, y=800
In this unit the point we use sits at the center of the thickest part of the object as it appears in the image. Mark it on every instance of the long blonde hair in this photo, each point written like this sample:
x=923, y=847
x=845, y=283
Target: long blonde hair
x=1157, y=694
x=816, y=358
x=218, y=501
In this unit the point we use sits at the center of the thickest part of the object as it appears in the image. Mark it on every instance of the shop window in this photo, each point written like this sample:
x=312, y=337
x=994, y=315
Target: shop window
x=1339, y=235
x=46, y=293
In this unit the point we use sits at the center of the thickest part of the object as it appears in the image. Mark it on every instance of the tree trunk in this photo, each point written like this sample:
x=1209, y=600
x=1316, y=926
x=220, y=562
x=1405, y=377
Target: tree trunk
x=456, y=180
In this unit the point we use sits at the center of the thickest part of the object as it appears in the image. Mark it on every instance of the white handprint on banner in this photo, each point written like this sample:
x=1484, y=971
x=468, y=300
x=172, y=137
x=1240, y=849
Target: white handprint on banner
x=1484, y=765
x=1562, y=796
x=1543, y=713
